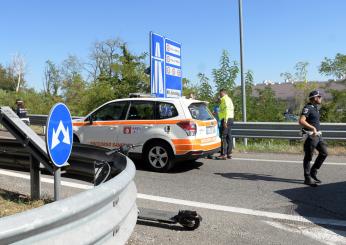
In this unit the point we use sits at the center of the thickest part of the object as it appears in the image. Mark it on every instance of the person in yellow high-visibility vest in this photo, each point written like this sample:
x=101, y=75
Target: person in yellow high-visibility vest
x=226, y=116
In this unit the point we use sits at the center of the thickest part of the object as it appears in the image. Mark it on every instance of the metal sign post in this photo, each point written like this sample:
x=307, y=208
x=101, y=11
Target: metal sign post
x=59, y=140
x=57, y=183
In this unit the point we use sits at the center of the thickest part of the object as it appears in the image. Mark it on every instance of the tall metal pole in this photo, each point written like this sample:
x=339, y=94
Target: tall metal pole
x=240, y=3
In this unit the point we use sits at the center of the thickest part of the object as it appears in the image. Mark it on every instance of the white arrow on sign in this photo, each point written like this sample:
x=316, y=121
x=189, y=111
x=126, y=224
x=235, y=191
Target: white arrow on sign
x=55, y=138
x=158, y=79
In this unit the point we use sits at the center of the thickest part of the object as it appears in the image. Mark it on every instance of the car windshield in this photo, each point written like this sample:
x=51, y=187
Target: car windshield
x=200, y=111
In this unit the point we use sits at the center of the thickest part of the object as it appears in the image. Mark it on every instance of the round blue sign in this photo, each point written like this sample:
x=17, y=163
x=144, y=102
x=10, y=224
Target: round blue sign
x=59, y=134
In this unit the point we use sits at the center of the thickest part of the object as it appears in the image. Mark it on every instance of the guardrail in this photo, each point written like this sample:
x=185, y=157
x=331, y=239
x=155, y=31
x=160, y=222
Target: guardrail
x=104, y=214
x=41, y=120
x=281, y=130
x=272, y=130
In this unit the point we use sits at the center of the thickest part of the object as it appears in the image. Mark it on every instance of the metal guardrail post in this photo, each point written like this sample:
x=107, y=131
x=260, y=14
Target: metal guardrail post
x=35, y=175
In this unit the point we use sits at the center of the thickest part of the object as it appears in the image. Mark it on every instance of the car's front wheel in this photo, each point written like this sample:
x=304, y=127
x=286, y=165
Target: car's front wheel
x=159, y=156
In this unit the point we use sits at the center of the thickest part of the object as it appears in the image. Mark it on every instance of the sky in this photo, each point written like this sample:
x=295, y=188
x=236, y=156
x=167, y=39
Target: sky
x=276, y=33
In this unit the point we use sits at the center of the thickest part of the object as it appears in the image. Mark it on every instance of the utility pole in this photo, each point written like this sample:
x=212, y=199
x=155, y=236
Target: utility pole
x=240, y=3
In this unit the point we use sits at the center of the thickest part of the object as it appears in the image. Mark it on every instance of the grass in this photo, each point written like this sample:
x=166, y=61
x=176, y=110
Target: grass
x=37, y=129
x=12, y=202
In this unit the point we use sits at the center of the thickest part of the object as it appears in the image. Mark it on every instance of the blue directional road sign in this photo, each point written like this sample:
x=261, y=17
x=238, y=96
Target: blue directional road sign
x=173, y=76
x=166, y=75
x=157, y=59
x=59, y=135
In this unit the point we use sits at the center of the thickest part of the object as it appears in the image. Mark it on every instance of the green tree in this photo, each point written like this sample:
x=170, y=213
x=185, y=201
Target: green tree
x=129, y=73
x=70, y=69
x=95, y=95
x=113, y=63
x=249, y=83
x=7, y=98
x=267, y=108
x=52, y=79
x=73, y=92
x=287, y=76
x=189, y=87
x=301, y=71
x=205, y=91
x=17, y=68
x=103, y=55
x=334, y=110
x=35, y=102
x=224, y=77
x=7, y=81
x=73, y=86
x=334, y=67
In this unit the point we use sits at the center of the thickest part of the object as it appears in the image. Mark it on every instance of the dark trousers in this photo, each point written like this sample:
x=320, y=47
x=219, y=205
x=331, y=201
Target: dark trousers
x=312, y=143
x=226, y=137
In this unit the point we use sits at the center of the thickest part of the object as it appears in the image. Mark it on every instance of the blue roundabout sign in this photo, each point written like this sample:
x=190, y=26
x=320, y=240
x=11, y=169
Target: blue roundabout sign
x=59, y=134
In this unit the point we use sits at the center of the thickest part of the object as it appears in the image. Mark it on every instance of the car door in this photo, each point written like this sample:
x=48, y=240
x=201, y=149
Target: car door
x=103, y=125
x=139, y=121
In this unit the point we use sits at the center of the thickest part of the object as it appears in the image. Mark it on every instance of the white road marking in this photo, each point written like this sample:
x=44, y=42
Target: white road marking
x=237, y=210
x=284, y=161
x=246, y=211
x=320, y=234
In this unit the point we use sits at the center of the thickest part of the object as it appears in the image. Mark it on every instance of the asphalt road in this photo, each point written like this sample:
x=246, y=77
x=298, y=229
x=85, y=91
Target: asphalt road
x=251, y=199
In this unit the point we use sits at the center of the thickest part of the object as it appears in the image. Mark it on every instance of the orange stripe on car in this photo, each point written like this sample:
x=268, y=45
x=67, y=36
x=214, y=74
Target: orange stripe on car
x=206, y=123
x=127, y=122
x=194, y=141
x=140, y=122
x=180, y=150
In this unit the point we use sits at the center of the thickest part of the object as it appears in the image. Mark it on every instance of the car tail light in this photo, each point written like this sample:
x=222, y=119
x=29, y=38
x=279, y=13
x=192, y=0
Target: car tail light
x=189, y=127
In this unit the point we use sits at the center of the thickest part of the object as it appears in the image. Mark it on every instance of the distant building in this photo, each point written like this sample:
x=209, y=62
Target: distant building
x=268, y=82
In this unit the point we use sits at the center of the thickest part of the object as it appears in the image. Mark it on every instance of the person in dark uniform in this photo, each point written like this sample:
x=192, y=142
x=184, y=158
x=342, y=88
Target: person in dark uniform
x=20, y=110
x=310, y=120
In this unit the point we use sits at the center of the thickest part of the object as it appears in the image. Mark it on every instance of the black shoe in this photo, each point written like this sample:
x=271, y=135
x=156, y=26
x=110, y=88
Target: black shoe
x=309, y=181
x=316, y=179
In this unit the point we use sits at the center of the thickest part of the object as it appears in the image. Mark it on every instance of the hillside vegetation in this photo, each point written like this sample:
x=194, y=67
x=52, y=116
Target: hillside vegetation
x=113, y=71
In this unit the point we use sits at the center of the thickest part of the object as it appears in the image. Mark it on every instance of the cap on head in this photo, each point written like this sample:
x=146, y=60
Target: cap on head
x=314, y=93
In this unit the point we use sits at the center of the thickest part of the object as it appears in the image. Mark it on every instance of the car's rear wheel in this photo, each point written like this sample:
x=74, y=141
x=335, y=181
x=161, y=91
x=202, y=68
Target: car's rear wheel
x=159, y=156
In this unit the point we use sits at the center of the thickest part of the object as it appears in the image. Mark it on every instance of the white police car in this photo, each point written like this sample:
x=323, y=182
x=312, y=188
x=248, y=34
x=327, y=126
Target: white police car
x=167, y=129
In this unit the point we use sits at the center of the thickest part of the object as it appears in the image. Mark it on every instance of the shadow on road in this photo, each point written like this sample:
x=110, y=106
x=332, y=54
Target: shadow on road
x=186, y=166
x=258, y=177
x=327, y=201
x=161, y=225
x=180, y=167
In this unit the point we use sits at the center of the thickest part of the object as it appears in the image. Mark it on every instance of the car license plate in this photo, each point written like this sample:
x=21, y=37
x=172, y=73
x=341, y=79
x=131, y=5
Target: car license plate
x=210, y=130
